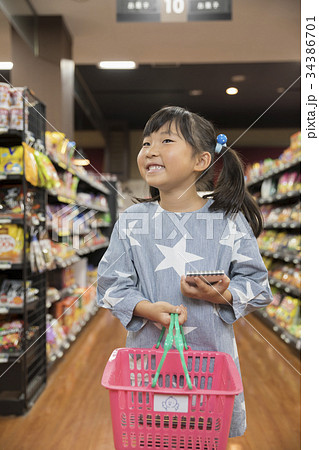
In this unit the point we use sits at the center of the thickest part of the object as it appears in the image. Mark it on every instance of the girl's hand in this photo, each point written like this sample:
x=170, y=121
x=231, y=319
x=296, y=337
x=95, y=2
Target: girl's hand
x=213, y=293
x=160, y=312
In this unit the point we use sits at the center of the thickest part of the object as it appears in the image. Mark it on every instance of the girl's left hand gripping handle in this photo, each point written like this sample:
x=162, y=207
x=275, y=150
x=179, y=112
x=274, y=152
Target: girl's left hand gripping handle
x=167, y=346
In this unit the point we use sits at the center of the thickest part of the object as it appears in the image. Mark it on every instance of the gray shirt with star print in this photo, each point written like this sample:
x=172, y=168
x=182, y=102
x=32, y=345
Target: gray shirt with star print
x=151, y=248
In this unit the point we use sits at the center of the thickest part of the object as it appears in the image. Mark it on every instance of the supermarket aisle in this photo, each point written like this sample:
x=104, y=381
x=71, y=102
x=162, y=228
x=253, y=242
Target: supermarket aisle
x=73, y=411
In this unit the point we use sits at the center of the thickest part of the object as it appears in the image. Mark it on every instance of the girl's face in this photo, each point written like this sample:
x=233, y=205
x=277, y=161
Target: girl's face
x=166, y=161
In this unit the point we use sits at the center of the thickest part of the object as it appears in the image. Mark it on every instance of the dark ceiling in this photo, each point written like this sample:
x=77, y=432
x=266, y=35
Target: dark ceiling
x=132, y=96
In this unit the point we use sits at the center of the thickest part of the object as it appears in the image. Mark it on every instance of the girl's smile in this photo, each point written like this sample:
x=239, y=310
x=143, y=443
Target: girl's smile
x=166, y=160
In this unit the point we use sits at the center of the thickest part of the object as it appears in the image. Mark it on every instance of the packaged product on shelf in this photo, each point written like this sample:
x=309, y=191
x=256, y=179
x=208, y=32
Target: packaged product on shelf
x=294, y=243
x=16, y=117
x=31, y=167
x=295, y=141
x=5, y=99
x=64, y=312
x=48, y=176
x=52, y=295
x=4, y=118
x=37, y=261
x=12, y=293
x=277, y=298
x=59, y=148
x=295, y=215
x=16, y=94
x=10, y=336
x=11, y=201
x=11, y=160
x=288, y=311
x=268, y=188
x=45, y=245
x=287, y=182
x=11, y=243
x=56, y=339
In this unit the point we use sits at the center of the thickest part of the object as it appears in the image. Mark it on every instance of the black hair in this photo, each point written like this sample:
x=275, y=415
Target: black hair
x=230, y=193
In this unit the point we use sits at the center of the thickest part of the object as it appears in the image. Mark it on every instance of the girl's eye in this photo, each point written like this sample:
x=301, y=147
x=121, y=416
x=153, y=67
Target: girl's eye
x=167, y=140
x=145, y=144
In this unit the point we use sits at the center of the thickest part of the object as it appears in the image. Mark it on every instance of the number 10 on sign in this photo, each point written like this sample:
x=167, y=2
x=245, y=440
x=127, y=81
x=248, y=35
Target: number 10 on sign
x=174, y=6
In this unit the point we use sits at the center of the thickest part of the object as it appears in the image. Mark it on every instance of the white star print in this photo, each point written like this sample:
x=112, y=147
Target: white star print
x=238, y=256
x=108, y=300
x=244, y=298
x=176, y=257
x=233, y=235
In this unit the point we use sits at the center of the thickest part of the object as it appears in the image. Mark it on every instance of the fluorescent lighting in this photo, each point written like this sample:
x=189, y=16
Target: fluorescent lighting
x=231, y=91
x=6, y=65
x=117, y=65
x=195, y=92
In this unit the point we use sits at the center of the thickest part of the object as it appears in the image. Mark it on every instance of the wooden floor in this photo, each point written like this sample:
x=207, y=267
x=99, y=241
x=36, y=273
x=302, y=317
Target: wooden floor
x=73, y=411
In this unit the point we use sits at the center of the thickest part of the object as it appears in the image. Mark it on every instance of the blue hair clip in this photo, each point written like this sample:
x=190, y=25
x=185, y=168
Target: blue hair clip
x=221, y=142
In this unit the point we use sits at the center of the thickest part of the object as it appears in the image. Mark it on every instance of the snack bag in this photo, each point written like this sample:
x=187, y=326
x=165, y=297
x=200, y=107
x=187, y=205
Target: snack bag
x=31, y=168
x=11, y=160
x=11, y=243
x=48, y=176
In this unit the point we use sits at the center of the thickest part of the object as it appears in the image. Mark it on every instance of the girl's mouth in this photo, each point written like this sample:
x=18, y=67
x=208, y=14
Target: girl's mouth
x=154, y=168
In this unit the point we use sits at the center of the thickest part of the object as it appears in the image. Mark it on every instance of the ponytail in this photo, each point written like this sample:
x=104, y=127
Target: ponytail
x=230, y=193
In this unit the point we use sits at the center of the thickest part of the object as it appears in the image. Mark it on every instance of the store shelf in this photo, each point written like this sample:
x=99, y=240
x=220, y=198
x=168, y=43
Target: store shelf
x=283, y=226
x=280, y=198
x=277, y=171
x=14, y=220
x=70, y=201
x=284, y=234
x=287, y=288
x=96, y=185
x=71, y=338
x=292, y=341
x=282, y=256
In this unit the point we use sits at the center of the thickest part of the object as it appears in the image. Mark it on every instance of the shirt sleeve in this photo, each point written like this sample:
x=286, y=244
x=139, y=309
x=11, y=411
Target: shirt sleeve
x=117, y=281
x=248, y=275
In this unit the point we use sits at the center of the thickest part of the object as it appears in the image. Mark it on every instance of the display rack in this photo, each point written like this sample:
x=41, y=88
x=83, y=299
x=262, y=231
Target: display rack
x=24, y=369
x=276, y=186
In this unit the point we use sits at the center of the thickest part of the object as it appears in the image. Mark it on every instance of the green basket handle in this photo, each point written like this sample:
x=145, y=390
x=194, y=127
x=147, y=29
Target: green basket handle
x=180, y=343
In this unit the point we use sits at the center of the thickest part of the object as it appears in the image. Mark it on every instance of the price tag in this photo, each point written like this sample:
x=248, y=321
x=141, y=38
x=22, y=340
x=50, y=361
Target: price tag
x=4, y=358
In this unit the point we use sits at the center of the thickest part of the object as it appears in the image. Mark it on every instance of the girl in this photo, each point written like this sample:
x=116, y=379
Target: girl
x=141, y=277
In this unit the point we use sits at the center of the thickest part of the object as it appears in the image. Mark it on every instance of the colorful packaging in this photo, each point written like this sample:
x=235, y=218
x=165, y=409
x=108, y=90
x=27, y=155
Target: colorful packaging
x=11, y=161
x=5, y=100
x=48, y=176
x=288, y=311
x=16, y=94
x=11, y=243
x=4, y=118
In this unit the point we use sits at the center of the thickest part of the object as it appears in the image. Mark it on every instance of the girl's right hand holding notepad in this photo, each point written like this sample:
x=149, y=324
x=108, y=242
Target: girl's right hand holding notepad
x=217, y=293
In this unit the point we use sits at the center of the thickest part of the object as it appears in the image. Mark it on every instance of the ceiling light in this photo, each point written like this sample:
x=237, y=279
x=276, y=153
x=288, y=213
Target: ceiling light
x=195, y=92
x=238, y=78
x=6, y=65
x=117, y=65
x=231, y=91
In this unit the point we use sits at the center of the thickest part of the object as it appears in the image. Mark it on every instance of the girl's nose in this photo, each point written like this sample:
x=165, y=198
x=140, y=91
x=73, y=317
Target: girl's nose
x=152, y=150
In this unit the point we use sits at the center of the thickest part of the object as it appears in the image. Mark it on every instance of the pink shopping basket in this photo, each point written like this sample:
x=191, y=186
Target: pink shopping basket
x=170, y=415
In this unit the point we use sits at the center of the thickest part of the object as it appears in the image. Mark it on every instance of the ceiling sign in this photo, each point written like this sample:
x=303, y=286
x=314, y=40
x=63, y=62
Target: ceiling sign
x=172, y=10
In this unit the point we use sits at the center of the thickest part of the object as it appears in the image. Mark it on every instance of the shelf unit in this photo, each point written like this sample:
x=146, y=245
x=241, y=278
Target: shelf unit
x=24, y=372
x=282, y=255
